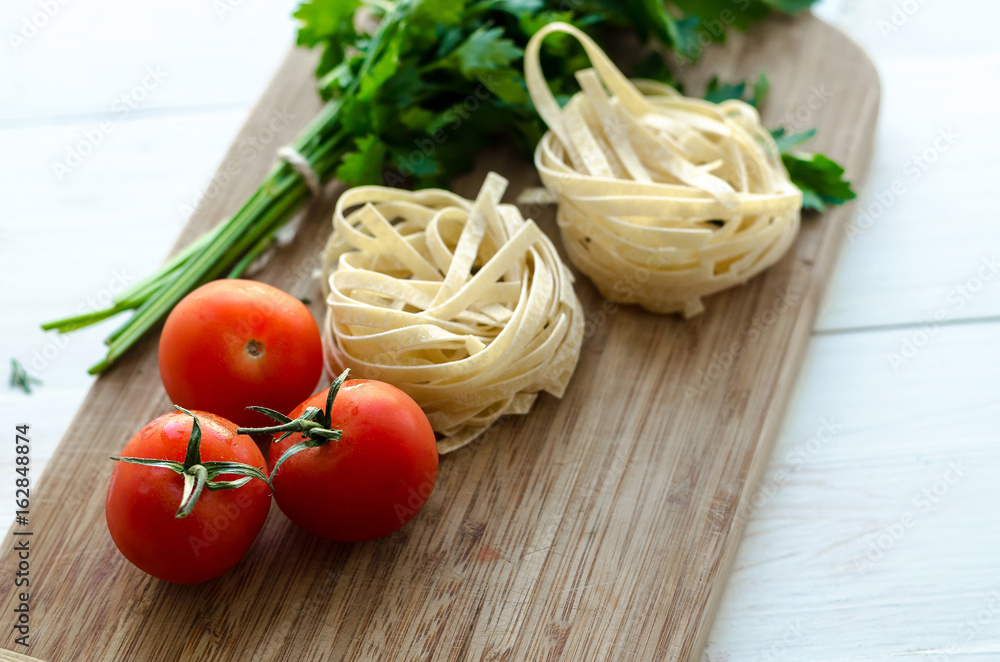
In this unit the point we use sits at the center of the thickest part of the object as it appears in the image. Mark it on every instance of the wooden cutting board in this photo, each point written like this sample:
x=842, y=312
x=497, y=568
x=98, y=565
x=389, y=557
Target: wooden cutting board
x=602, y=526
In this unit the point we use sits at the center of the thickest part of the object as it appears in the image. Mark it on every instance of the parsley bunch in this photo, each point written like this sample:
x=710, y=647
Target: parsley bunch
x=414, y=88
x=445, y=77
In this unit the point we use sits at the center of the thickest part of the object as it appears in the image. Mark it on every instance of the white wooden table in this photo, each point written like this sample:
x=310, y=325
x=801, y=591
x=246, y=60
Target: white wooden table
x=875, y=534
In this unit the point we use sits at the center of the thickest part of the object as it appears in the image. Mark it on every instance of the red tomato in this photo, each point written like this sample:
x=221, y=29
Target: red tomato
x=372, y=480
x=234, y=343
x=142, y=502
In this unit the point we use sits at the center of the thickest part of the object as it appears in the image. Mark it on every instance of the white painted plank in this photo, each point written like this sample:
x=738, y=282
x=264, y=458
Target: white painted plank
x=926, y=241
x=906, y=29
x=873, y=535
x=73, y=57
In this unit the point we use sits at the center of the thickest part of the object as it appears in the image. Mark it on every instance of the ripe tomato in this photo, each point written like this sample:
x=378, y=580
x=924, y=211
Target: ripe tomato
x=142, y=503
x=234, y=343
x=373, y=479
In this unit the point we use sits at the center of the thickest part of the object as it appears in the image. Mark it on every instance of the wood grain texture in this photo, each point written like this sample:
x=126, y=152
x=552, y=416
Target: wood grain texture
x=601, y=526
x=11, y=656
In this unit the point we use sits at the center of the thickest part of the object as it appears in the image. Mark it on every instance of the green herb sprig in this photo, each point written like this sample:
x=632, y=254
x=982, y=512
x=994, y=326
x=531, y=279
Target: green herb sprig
x=20, y=377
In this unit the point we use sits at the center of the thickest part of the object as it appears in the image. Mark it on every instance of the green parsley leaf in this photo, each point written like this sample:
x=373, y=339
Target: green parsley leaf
x=443, y=13
x=654, y=67
x=646, y=17
x=323, y=18
x=365, y=165
x=385, y=67
x=716, y=16
x=532, y=23
x=790, y=6
x=717, y=92
x=416, y=162
x=507, y=85
x=689, y=45
x=786, y=141
x=760, y=90
x=417, y=118
x=486, y=49
x=515, y=7
x=339, y=78
x=820, y=179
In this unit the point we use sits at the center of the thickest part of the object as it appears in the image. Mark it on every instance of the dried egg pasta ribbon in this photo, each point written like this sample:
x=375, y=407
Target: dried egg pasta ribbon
x=663, y=199
x=463, y=304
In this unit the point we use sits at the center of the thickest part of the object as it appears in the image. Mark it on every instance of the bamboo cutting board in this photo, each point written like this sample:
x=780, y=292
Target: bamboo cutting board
x=602, y=526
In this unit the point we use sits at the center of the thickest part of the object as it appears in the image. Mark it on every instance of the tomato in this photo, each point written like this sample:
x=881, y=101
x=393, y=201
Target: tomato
x=143, y=501
x=234, y=343
x=372, y=480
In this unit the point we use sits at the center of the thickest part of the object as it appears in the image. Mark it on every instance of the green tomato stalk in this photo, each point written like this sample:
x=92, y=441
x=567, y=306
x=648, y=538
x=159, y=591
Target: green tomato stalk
x=197, y=474
x=314, y=424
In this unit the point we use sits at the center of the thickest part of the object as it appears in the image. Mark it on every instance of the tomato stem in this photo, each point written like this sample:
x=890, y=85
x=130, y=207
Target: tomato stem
x=194, y=481
x=197, y=474
x=193, y=455
x=314, y=424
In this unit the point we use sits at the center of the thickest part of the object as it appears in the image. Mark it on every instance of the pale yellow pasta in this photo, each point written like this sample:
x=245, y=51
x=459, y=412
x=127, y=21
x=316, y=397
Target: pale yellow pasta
x=464, y=305
x=663, y=199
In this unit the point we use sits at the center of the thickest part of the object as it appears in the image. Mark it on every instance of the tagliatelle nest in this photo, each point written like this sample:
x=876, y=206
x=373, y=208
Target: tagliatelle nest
x=663, y=199
x=463, y=305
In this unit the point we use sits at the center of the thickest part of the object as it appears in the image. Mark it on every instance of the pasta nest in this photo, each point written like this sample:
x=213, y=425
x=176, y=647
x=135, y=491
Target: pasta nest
x=464, y=305
x=663, y=199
